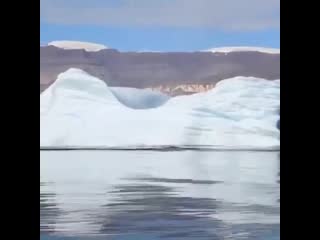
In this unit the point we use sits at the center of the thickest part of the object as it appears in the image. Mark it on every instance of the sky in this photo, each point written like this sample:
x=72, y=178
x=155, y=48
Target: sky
x=162, y=25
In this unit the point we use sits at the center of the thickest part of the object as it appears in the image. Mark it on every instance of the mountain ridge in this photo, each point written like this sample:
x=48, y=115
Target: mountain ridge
x=158, y=70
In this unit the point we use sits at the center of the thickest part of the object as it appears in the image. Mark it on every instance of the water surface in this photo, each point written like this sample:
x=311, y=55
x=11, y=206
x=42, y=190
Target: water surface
x=159, y=195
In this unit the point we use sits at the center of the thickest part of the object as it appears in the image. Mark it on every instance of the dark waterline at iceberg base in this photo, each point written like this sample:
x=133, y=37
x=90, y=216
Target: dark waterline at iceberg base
x=159, y=195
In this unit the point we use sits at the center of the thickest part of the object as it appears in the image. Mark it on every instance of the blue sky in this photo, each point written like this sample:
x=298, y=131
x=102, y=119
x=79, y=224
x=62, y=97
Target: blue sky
x=162, y=25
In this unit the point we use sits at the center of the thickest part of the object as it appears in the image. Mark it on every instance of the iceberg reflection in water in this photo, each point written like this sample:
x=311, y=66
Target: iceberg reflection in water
x=159, y=195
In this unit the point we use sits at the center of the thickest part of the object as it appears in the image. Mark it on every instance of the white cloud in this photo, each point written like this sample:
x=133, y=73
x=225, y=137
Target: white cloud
x=241, y=15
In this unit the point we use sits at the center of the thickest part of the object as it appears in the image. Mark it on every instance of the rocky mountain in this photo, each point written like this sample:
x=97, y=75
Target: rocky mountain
x=174, y=73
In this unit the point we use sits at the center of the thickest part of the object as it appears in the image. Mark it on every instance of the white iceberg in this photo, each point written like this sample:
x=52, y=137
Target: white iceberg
x=139, y=98
x=79, y=110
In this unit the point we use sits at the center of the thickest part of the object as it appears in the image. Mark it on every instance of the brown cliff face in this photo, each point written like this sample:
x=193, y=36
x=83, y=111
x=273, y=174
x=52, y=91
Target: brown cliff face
x=183, y=89
x=173, y=73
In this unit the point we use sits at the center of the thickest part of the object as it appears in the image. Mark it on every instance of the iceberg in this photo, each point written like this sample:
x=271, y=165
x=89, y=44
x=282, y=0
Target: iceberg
x=79, y=110
x=139, y=98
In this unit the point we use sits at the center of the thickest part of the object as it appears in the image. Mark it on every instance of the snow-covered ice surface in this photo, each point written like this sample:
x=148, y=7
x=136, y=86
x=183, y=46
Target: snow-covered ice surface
x=79, y=110
x=90, y=47
x=139, y=98
x=244, y=49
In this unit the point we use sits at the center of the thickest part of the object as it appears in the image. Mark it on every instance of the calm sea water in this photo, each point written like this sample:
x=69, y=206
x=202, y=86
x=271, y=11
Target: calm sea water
x=146, y=195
